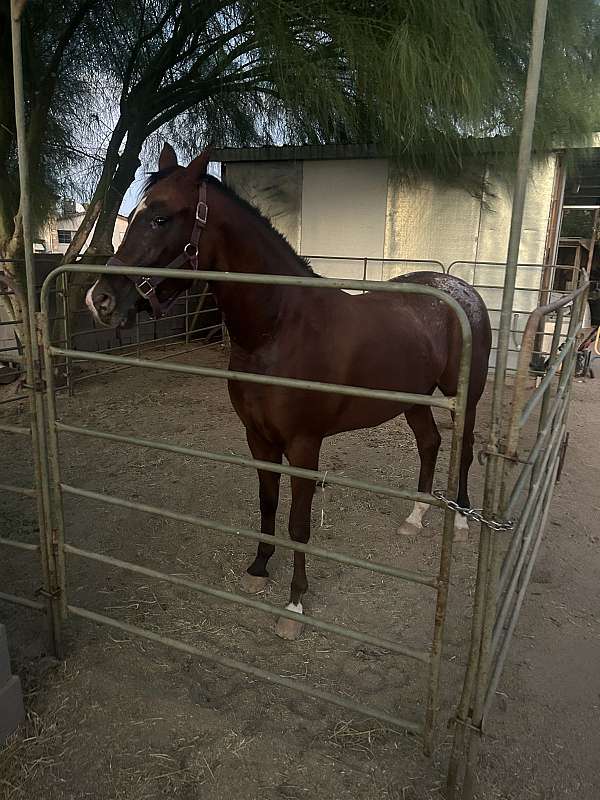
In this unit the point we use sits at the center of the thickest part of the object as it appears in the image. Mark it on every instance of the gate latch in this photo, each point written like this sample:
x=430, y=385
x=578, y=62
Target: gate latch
x=52, y=595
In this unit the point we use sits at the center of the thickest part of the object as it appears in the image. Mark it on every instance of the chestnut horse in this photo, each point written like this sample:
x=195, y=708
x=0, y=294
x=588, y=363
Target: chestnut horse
x=396, y=341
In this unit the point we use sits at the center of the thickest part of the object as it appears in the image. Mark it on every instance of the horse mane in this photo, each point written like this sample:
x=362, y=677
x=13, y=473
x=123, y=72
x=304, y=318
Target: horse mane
x=154, y=177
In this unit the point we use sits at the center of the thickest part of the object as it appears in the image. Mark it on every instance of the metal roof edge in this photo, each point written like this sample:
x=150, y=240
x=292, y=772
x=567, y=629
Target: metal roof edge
x=315, y=152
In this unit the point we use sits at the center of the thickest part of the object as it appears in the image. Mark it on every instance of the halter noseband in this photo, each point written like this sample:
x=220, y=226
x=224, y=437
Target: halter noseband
x=146, y=287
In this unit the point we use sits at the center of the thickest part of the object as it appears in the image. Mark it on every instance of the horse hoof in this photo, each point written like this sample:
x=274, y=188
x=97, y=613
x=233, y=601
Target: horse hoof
x=461, y=535
x=409, y=529
x=253, y=584
x=289, y=628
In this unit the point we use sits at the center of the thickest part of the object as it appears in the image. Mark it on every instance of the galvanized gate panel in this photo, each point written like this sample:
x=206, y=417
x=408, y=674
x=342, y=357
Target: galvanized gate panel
x=525, y=484
x=438, y=583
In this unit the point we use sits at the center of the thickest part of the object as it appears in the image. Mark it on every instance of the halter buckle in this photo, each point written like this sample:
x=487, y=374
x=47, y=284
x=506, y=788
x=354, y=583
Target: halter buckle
x=145, y=288
x=202, y=212
x=190, y=250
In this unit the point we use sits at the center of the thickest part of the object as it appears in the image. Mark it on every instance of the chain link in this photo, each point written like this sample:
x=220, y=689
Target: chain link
x=475, y=514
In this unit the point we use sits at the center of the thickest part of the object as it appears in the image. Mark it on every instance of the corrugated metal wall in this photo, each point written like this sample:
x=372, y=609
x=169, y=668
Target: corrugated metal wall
x=431, y=220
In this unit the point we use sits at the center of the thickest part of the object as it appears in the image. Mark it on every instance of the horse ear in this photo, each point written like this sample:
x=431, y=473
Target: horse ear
x=196, y=169
x=167, y=158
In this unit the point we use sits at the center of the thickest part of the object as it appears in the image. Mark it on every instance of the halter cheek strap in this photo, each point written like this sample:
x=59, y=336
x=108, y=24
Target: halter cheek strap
x=146, y=287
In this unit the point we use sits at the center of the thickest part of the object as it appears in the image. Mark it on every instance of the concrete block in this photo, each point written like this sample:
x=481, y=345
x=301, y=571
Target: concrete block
x=12, y=711
x=4, y=657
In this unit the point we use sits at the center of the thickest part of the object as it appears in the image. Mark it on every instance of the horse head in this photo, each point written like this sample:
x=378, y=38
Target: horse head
x=166, y=229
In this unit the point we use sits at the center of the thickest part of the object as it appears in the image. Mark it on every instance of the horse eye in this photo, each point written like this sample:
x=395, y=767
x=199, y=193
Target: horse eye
x=160, y=220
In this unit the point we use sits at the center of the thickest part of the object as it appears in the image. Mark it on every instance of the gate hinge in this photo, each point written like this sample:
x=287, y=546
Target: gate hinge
x=500, y=453
x=39, y=383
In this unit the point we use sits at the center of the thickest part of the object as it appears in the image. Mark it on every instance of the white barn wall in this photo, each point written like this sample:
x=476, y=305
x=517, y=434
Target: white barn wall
x=429, y=220
x=343, y=214
x=275, y=187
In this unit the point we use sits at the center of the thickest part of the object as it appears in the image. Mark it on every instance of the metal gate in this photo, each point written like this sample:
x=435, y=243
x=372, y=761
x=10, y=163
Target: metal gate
x=525, y=482
x=521, y=485
x=56, y=489
x=517, y=483
x=529, y=293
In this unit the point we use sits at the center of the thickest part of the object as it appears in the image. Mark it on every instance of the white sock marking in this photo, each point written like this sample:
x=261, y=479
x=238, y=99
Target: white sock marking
x=297, y=609
x=416, y=515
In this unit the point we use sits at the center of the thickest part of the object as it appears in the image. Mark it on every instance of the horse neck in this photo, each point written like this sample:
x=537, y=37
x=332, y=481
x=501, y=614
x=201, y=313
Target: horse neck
x=247, y=245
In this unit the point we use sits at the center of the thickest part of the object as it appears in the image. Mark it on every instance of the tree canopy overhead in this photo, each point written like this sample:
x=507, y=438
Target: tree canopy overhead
x=426, y=82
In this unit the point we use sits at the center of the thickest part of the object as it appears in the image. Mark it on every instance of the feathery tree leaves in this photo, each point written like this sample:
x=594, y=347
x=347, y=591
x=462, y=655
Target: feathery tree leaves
x=428, y=83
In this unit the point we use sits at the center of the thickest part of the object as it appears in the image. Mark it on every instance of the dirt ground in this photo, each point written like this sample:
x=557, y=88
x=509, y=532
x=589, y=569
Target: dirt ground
x=123, y=718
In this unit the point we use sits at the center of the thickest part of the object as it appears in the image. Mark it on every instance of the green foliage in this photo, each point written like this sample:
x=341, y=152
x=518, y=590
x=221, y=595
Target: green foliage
x=430, y=83
x=578, y=223
x=55, y=55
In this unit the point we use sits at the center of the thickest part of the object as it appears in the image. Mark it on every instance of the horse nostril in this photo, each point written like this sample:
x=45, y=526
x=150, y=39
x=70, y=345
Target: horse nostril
x=104, y=302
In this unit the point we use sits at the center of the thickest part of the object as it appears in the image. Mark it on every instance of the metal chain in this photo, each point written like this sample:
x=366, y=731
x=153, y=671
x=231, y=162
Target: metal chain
x=474, y=514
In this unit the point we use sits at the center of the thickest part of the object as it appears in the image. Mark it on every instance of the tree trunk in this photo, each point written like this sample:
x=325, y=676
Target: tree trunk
x=116, y=179
x=102, y=240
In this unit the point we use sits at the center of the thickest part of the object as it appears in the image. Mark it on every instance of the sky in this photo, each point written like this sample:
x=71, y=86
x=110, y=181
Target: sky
x=131, y=198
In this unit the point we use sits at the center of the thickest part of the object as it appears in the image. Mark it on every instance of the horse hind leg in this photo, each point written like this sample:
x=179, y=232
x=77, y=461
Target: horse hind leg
x=303, y=453
x=461, y=526
x=422, y=424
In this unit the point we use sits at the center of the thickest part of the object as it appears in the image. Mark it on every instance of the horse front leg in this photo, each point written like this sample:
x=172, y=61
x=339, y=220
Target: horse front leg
x=256, y=576
x=305, y=454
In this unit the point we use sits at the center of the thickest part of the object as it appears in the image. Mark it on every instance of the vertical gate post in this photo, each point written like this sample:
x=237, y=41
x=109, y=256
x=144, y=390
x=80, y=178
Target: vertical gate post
x=66, y=310
x=55, y=493
x=469, y=714
x=50, y=589
x=447, y=542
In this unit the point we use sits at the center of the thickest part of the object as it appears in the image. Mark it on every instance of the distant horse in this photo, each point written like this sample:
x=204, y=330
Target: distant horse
x=394, y=341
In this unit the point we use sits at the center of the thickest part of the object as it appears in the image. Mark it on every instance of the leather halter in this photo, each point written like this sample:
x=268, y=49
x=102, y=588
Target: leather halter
x=146, y=287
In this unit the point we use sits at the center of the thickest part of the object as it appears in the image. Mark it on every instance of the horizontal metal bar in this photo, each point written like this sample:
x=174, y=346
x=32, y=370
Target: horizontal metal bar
x=511, y=553
x=248, y=669
x=536, y=289
x=362, y=259
x=267, y=466
x=212, y=524
x=143, y=344
x=14, y=399
x=520, y=596
x=258, y=605
x=19, y=430
x=539, y=445
x=179, y=302
x=19, y=545
x=542, y=497
x=266, y=280
x=22, y=601
x=112, y=371
x=544, y=386
x=405, y=398
x=89, y=331
x=8, y=487
x=135, y=344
